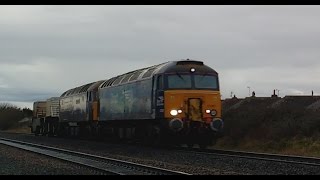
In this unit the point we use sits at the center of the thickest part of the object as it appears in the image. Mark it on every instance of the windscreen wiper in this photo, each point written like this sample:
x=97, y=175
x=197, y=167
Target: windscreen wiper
x=179, y=75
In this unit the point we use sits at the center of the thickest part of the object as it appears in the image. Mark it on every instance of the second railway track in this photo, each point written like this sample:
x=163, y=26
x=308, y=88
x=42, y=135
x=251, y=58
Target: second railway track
x=290, y=159
x=102, y=164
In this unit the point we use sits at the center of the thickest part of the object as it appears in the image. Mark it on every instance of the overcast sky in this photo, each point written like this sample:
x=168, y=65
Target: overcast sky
x=46, y=50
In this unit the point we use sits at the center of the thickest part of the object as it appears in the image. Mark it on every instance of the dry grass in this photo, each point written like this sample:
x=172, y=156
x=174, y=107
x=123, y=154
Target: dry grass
x=23, y=129
x=301, y=146
x=256, y=125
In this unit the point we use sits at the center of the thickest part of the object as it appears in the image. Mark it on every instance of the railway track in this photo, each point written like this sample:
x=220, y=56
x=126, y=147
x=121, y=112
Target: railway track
x=104, y=165
x=290, y=159
x=267, y=163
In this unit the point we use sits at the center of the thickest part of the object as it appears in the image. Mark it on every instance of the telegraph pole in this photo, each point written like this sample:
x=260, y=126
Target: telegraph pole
x=249, y=90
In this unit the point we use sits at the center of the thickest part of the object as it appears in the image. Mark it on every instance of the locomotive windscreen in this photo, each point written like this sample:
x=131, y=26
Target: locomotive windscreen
x=196, y=81
x=205, y=81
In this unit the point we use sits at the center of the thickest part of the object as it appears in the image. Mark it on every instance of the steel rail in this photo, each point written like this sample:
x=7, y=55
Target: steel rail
x=100, y=163
x=290, y=159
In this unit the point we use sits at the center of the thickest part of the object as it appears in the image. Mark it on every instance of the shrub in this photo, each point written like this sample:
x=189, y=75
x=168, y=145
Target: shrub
x=10, y=115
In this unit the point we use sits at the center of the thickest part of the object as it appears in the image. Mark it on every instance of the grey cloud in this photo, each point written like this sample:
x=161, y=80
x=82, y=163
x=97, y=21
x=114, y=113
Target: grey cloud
x=24, y=95
x=104, y=41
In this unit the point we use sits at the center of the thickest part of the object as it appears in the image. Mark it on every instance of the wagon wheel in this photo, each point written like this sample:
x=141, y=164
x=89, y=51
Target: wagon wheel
x=37, y=131
x=190, y=145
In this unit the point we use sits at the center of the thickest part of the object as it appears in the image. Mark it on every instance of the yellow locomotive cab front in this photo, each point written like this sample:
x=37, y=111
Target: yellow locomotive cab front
x=190, y=106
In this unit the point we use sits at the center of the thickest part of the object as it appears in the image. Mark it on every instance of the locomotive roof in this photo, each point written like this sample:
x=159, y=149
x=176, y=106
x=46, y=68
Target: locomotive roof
x=84, y=88
x=185, y=66
x=148, y=72
x=95, y=85
x=167, y=67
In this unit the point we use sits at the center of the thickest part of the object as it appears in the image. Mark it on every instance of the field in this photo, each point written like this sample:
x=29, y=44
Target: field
x=289, y=125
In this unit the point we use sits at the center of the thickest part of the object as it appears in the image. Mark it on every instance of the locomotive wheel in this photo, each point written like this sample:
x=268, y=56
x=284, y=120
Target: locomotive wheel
x=50, y=129
x=203, y=145
x=157, y=137
x=62, y=130
x=37, y=131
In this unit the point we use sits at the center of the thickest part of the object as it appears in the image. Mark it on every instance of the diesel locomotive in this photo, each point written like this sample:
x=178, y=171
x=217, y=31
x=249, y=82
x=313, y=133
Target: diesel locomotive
x=176, y=102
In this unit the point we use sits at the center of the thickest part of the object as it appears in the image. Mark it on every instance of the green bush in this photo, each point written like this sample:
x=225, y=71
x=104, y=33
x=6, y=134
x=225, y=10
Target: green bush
x=10, y=115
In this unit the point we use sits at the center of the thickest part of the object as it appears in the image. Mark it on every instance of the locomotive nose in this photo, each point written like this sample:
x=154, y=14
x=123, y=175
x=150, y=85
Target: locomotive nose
x=216, y=124
x=176, y=124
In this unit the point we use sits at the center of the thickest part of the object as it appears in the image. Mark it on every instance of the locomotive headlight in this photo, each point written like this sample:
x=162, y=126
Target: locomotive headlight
x=173, y=112
x=208, y=111
x=192, y=69
x=213, y=112
x=179, y=111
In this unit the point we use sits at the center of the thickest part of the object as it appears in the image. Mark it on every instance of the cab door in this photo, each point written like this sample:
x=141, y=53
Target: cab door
x=195, y=109
x=93, y=106
x=89, y=106
x=158, y=96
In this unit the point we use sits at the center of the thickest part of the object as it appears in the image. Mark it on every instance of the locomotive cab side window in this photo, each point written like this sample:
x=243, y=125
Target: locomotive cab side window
x=159, y=82
x=88, y=96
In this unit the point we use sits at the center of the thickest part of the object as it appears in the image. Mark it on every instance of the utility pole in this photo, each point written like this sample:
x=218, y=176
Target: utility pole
x=231, y=94
x=249, y=90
